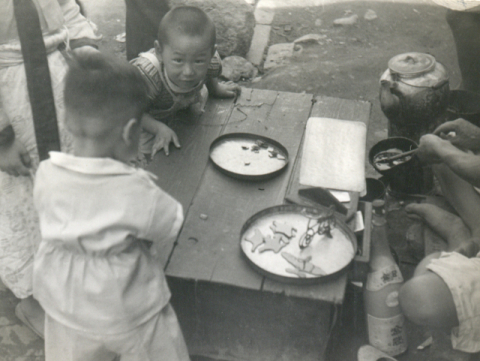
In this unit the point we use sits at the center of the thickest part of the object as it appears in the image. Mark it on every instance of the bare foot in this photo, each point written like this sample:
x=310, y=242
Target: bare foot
x=445, y=224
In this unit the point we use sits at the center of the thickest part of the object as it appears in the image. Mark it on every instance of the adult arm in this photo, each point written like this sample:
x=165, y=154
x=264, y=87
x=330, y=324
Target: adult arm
x=433, y=149
x=461, y=133
x=80, y=30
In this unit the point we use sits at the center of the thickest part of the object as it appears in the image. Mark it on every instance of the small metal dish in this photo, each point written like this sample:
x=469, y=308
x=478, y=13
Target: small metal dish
x=248, y=156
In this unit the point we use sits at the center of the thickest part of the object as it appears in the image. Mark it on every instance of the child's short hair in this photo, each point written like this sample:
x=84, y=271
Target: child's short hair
x=186, y=20
x=103, y=88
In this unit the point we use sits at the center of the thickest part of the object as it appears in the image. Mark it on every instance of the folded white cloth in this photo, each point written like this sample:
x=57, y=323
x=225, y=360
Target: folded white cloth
x=334, y=155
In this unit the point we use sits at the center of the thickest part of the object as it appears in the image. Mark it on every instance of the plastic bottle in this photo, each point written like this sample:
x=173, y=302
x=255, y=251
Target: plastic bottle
x=385, y=321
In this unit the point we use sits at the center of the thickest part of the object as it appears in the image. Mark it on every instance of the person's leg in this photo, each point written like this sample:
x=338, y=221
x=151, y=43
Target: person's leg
x=465, y=27
x=142, y=20
x=159, y=338
x=65, y=344
x=448, y=226
x=462, y=196
x=426, y=299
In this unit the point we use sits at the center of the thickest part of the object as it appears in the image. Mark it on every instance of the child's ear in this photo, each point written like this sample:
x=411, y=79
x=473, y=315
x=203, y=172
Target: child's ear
x=158, y=48
x=128, y=131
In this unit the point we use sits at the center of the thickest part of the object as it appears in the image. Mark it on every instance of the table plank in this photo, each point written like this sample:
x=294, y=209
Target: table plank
x=332, y=290
x=179, y=174
x=208, y=250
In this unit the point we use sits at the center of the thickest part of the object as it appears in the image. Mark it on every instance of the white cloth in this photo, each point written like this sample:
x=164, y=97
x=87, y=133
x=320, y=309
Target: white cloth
x=160, y=338
x=93, y=271
x=462, y=276
x=53, y=15
x=334, y=154
x=19, y=230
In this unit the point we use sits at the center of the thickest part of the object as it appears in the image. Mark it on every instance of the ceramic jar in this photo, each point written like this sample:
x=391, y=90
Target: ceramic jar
x=413, y=94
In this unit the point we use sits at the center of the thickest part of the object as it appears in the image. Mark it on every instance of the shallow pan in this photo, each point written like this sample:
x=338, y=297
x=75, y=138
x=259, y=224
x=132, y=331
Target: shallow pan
x=248, y=156
x=273, y=243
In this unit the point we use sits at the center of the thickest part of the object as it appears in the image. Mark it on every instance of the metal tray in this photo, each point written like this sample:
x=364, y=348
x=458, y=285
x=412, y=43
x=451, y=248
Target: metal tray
x=270, y=241
x=248, y=156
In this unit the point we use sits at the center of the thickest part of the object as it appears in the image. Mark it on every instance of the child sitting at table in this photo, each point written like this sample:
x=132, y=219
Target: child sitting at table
x=179, y=69
x=103, y=289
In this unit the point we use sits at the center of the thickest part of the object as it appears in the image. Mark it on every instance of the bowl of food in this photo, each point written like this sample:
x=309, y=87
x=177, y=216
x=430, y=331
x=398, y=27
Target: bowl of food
x=403, y=175
x=248, y=156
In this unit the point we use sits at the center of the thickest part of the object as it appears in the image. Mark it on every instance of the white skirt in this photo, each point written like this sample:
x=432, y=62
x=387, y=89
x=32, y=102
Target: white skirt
x=19, y=228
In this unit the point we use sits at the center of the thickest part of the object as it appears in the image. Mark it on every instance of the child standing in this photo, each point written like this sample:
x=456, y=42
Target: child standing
x=104, y=292
x=179, y=69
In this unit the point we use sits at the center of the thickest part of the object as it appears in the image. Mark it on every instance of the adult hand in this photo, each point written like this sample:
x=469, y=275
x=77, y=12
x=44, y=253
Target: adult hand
x=429, y=149
x=163, y=137
x=14, y=159
x=461, y=133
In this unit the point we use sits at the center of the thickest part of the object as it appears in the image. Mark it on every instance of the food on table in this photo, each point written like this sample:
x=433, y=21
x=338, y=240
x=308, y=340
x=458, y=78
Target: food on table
x=261, y=144
x=302, y=266
x=248, y=156
x=271, y=242
x=284, y=228
x=275, y=243
x=380, y=163
x=256, y=240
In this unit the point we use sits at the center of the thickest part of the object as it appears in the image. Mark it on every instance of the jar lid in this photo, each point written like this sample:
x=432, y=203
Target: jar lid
x=411, y=64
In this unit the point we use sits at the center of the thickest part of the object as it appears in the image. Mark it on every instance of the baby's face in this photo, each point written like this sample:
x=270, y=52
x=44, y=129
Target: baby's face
x=186, y=59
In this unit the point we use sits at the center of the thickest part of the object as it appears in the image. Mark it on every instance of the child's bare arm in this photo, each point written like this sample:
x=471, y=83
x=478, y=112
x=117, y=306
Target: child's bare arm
x=433, y=149
x=222, y=90
x=163, y=134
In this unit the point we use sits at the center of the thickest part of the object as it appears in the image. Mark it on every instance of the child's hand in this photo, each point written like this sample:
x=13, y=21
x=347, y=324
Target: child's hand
x=224, y=90
x=14, y=159
x=163, y=137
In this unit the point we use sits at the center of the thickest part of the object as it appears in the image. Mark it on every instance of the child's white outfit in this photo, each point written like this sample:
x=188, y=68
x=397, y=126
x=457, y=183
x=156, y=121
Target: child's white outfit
x=101, y=286
x=461, y=274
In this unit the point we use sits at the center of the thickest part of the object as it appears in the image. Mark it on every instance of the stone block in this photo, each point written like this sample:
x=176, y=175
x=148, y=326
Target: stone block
x=234, y=22
x=260, y=40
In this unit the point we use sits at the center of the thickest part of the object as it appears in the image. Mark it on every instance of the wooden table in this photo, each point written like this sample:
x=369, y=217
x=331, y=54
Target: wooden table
x=226, y=309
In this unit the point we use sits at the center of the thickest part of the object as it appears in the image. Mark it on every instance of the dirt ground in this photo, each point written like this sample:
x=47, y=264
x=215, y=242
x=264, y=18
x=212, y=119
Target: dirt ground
x=347, y=64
